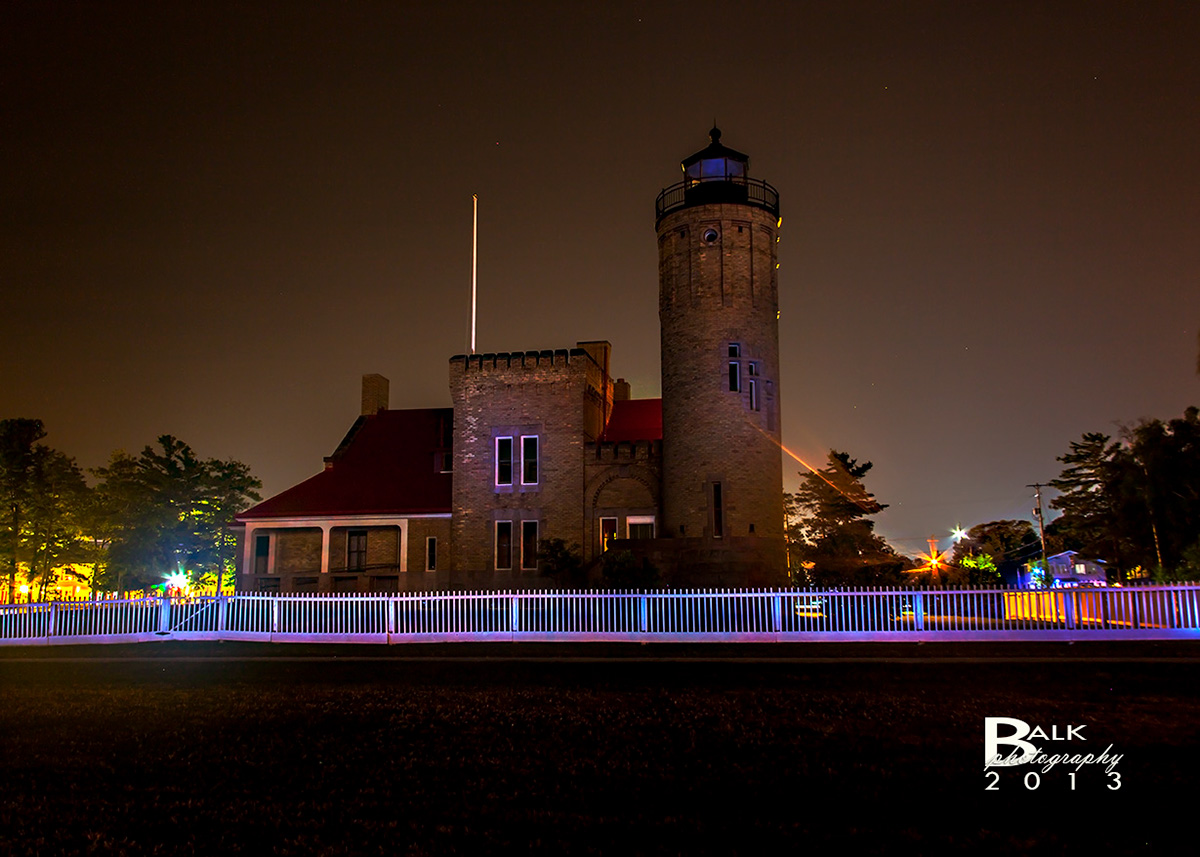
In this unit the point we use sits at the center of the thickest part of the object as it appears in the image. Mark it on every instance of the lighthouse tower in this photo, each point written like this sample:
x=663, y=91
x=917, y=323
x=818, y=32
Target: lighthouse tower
x=719, y=310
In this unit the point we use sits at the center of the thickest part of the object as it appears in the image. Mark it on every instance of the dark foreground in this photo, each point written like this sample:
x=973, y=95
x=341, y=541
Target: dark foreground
x=246, y=749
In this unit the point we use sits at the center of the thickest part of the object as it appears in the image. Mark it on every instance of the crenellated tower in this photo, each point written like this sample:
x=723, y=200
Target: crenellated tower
x=718, y=310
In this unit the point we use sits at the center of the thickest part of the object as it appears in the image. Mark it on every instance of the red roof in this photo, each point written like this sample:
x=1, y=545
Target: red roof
x=388, y=464
x=634, y=419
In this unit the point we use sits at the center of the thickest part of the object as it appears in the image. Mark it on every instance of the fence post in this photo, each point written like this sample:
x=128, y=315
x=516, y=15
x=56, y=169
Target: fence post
x=274, y=614
x=919, y=610
x=222, y=613
x=1069, y=611
x=777, y=612
x=643, y=610
x=164, y=615
x=50, y=621
x=516, y=619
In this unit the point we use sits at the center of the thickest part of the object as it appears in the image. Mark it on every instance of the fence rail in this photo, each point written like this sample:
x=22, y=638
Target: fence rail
x=740, y=615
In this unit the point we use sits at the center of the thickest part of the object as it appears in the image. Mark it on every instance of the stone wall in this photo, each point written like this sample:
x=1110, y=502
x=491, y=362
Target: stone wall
x=562, y=397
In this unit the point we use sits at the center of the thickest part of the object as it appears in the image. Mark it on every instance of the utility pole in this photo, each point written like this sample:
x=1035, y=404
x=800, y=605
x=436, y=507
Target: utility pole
x=1037, y=486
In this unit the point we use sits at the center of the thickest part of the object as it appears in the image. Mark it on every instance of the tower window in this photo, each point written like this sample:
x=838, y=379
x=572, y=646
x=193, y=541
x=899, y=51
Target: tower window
x=735, y=349
x=711, y=235
x=735, y=377
x=431, y=553
x=753, y=394
x=718, y=507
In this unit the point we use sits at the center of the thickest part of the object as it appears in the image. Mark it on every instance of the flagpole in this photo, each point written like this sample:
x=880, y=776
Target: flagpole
x=474, y=254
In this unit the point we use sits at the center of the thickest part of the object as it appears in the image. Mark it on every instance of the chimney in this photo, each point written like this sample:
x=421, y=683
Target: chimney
x=374, y=394
x=621, y=390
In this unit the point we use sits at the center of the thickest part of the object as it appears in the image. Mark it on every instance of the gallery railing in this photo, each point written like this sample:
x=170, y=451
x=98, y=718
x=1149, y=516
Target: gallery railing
x=741, y=190
x=1142, y=612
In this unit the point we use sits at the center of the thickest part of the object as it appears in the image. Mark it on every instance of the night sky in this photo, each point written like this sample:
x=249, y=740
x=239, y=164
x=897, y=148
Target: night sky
x=215, y=219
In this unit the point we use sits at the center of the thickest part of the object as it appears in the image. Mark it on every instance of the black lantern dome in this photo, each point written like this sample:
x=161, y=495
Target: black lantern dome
x=716, y=174
x=715, y=162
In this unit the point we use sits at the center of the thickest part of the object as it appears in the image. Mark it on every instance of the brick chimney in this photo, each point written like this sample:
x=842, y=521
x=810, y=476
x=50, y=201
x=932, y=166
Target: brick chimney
x=621, y=390
x=374, y=394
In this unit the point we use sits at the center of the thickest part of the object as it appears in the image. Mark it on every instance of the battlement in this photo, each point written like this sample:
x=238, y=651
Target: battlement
x=503, y=361
x=623, y=451
x=586, y=356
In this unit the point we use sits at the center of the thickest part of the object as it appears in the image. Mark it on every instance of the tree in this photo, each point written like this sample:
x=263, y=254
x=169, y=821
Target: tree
x=1134, y=502
x=18, y=444
x=44, y=498
x=561, y=561
x=833, y=540
x=987, y=548
x=620, y=569
x=166, y=512
x=54, y=538
x=1088, y=523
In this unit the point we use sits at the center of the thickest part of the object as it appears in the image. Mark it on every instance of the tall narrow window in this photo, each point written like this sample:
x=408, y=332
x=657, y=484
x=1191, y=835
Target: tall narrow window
x=735, y=377
x=718, y=511
x=504, y=461
x=753, y=384
x=529, y=460
x=262, y=553
x=529, y=544
x=431, y=553
x=503, y=545
x=356, y=550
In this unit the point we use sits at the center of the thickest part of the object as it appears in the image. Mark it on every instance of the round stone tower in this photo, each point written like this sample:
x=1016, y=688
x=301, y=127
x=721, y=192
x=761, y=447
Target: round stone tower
x=719, y=314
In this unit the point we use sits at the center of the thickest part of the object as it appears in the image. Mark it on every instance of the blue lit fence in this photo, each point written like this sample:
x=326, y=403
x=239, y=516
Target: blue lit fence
x=1143, y=612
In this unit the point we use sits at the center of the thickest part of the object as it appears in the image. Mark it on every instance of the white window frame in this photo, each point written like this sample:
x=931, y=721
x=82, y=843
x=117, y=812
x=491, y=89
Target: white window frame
x=496, y=545
x=270, y=537
x=496, y=455
x=633, y=520
x=616, y=530
x=537, y=458
x=532, y=563
x=366, y=537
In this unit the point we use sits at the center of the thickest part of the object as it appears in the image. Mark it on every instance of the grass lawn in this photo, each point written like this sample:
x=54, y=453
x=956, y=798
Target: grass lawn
x=384, y=753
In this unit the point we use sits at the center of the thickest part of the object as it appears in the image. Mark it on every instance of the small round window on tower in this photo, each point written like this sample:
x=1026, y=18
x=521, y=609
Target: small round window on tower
x=711, y=235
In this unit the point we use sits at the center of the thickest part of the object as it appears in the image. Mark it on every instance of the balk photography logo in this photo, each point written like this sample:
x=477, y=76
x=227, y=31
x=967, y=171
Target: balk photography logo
x=1058, y=753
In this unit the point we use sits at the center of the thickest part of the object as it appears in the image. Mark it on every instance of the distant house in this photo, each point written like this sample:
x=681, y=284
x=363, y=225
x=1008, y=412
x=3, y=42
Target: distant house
x=1067, y=569
x=1070, y=569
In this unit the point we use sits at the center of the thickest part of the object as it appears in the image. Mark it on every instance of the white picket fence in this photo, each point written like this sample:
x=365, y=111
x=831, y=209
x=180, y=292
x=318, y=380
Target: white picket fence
x=1142, y=612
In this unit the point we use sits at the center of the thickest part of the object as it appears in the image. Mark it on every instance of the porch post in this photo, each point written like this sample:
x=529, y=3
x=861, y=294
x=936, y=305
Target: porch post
x=247, y=555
